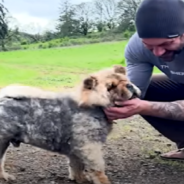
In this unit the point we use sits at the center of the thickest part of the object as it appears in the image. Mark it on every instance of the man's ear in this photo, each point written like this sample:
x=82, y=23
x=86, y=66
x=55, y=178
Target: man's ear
x=90, y=82
x=119, y=69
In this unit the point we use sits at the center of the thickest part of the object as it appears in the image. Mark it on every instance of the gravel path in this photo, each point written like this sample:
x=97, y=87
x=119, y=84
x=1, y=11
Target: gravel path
x=131, y=155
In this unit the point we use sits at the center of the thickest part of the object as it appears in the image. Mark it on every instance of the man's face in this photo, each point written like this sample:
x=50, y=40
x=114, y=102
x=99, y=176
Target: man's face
x=164, y=48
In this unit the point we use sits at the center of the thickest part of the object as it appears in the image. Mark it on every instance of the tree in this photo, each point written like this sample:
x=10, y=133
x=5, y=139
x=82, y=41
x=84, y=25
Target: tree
x=3, y=24
x=48, y=35
x=83, y=15
x=67, y=22
x=12, y=34
x=33, y=31
x=106, y=11
x=127, y=11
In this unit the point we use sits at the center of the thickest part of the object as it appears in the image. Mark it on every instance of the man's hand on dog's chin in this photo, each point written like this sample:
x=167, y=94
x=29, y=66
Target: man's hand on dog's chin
x=126, y=109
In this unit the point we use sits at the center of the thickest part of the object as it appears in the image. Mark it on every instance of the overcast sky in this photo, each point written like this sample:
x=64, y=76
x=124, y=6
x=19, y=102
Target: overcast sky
x=35, y=15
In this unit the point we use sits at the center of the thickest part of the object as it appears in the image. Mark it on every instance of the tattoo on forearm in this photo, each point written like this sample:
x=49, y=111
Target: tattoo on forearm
x=169, y=110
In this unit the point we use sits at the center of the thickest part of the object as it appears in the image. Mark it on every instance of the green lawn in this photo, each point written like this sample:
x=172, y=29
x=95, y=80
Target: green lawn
x=56, y=68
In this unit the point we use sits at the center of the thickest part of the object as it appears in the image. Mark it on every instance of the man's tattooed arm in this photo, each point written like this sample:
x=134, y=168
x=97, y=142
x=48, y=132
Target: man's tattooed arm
x=168, y=110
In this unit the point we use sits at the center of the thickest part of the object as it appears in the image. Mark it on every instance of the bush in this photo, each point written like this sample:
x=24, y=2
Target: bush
x=44, y=46
x=52, y=44
x=15, y=47
x=25, y=47
x=126, y=34
x=40, y=46
x=94, y=40
x=94, y=37
x=23, y=42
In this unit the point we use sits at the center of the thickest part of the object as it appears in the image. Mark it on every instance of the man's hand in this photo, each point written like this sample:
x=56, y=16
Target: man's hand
x=167, y=110
x=125, y=109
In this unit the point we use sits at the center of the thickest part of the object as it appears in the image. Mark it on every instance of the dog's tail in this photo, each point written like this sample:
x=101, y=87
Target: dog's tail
x=16, y=91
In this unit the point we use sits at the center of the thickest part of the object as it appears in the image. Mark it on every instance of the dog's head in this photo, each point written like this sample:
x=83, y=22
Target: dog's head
x=106, y=86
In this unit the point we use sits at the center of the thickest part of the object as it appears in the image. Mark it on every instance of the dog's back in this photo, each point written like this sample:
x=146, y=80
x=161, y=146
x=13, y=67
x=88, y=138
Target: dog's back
x=50, y=123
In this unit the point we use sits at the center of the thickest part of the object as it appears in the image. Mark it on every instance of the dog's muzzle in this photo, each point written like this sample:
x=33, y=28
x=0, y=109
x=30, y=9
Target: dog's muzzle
x=134, y=92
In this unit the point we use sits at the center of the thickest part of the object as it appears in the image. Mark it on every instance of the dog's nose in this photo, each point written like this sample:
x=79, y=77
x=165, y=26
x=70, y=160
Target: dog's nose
x=130, y=88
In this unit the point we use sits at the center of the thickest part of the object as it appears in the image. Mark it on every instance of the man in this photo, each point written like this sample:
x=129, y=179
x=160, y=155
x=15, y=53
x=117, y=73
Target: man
x=159, y=41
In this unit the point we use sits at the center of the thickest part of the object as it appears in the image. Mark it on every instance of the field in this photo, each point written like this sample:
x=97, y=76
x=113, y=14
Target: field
x=131, y=152
x=56, y=68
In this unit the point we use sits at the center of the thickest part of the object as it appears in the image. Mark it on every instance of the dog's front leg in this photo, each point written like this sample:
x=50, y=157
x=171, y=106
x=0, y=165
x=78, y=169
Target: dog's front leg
x=91, y=158
x=76, y=169
x=4, y=175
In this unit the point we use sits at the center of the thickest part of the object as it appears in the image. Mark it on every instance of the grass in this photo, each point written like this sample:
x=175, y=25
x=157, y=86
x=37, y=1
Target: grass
x=58, y=67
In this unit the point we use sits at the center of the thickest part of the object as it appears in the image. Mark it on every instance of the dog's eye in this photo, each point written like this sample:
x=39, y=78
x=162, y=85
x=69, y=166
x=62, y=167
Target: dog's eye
x=111, y=87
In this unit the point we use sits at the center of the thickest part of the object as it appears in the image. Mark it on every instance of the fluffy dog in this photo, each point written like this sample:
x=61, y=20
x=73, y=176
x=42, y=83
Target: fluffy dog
x=72, y=124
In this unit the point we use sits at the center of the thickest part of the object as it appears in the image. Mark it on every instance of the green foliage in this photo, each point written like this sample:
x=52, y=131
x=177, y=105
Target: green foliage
x=3, y=25
x=91, y=38
x=126, y=34
x=67, y=22
x=23, y=42
x=97, y=37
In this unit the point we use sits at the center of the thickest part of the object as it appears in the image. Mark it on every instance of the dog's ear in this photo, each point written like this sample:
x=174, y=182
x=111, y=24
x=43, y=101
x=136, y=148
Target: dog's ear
x=119, y=69
x=90, y=82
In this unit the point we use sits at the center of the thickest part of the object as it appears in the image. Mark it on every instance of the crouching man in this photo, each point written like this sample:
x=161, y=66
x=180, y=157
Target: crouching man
x=158, y=42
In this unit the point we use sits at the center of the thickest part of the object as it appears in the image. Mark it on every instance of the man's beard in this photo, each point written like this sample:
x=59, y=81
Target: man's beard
x=169, y=56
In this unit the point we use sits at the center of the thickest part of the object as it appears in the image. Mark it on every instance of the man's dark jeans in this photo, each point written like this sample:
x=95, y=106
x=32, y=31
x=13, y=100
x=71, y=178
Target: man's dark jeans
x=164, y=90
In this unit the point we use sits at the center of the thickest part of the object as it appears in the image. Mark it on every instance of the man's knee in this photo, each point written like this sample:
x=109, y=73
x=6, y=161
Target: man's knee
x=163, y=89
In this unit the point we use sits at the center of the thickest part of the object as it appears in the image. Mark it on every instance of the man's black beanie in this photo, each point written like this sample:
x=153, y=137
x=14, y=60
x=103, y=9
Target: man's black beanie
x=160, y=18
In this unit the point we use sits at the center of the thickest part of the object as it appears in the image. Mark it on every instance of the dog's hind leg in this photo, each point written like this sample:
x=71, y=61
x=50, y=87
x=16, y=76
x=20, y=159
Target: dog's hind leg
x=3, y=147
x=91, y=157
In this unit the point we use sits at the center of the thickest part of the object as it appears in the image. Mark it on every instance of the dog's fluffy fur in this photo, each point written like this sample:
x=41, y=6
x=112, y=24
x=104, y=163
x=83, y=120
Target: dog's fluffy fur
x=72, y=124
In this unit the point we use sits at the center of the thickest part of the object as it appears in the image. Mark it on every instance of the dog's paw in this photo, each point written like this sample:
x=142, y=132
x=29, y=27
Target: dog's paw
x=71, y=177
x=7, y=177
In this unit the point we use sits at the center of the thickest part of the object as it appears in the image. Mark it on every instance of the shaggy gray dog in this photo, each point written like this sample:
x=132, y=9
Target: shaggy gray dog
x=72, y=124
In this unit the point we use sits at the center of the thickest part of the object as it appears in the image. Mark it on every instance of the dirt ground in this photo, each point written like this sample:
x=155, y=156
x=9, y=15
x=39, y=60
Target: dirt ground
x=131, y=156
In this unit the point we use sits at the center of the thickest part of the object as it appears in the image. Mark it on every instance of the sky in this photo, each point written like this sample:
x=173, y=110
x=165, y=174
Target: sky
x=35, y=16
